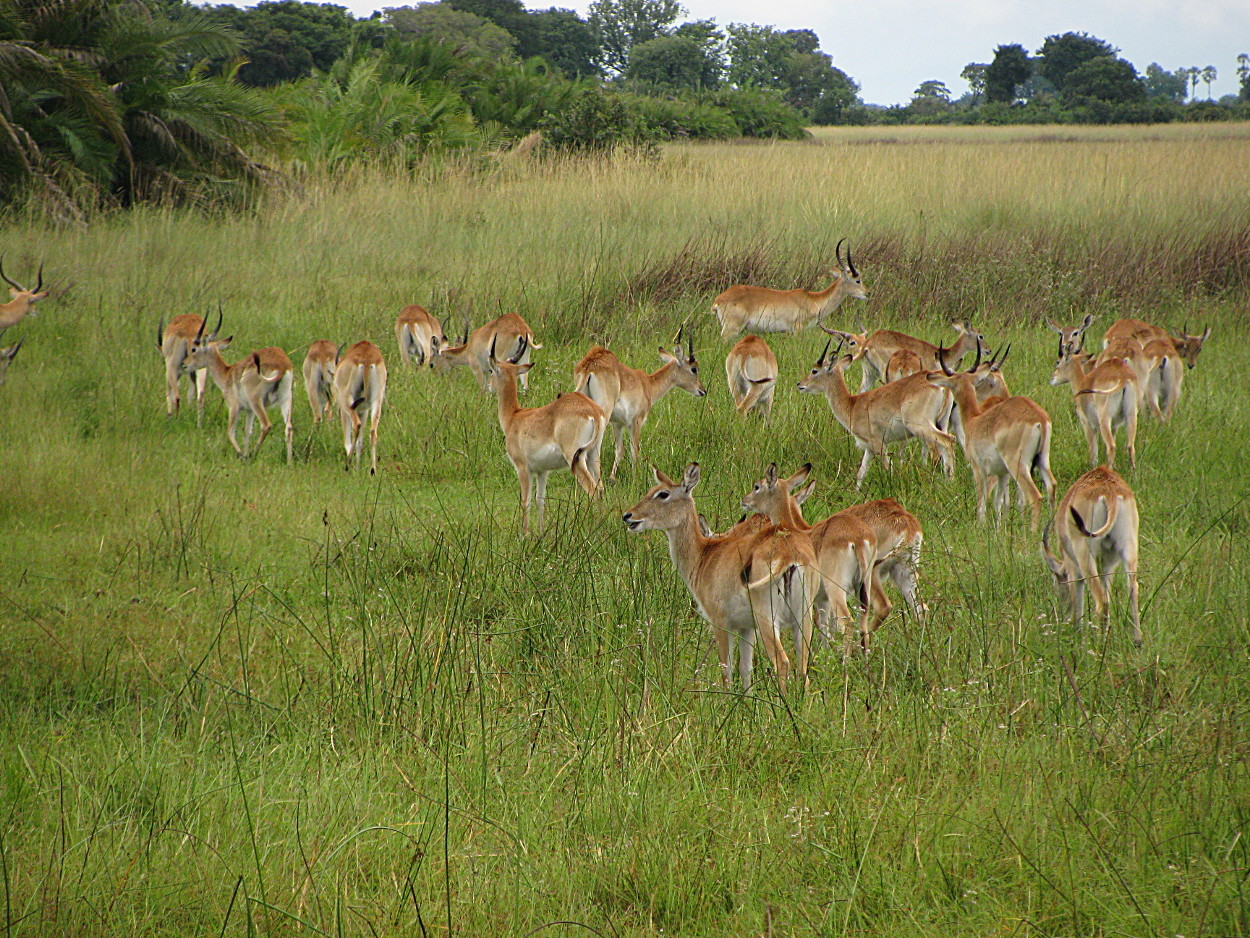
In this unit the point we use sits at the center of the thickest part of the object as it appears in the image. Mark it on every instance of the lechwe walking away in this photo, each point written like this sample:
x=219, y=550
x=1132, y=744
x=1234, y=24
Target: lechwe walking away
x=761, y=309
x=627, y=394
x=418, y=335
x=174, y=342
x=565, y=434
x=752, y=582
x=1097, y=524
x=1105, y=398
x=751, y=369
x=896, y=411
x=359, y=391
x=1004, y=442
x=845, y=550
x=506, y=335
x=261, y=380
x=875, y=350
x=319, y=378
x=21, y=301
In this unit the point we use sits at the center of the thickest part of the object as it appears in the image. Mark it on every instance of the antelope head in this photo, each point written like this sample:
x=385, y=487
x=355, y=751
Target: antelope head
x=846, y=272
x=22, y=301
x=685, y=367
x=666, y=505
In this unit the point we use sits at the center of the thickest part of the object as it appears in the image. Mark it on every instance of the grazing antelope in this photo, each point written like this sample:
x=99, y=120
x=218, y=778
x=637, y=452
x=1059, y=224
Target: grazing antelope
x=1005, y=441
x=1097, y=523
x=760, y=309
x=506, y=334
x=845, y=550
x=418, y=334
x=7, y=354
x=751, y=369
x=897, y=411
x=21, y=301
x=1150, y=369
x=174, y=341
x=1187, y=346
x=899, y=539
x=754, y=581
x=319, y=378
x=567, y=433
x=627, y=394
x=1105, y=398
x=874, y=350
x=259, y=381
x=1163, y=385
x=360, y=388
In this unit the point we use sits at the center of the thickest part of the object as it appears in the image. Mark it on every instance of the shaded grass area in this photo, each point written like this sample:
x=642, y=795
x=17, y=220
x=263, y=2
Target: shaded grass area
x=242, y=697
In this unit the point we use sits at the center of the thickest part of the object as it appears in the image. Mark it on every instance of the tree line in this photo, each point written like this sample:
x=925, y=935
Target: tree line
x=1073, y=78
x=109, y=103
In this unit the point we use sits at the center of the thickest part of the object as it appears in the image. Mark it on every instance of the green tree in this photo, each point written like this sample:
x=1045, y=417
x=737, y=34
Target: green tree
x=564, y=39
x=1243, y=75
x=1165, y=85
x=1103, y=78
x=1009, y=68
x=974, y=74
x=671, y=62
x=467, y=32
x=757, y=55
x=1063, y=54
x=812, y=84
x=286, y=39
x=622, y=24
x=804, y=41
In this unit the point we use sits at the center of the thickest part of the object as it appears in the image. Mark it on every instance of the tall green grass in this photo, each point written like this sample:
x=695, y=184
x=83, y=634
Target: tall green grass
x=244, y=698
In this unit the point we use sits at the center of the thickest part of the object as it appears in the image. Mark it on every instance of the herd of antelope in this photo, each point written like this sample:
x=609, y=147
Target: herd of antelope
x=773, y=568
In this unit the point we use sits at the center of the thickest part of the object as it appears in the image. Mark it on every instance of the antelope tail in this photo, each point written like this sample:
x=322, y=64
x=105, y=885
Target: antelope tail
x=1113, y=510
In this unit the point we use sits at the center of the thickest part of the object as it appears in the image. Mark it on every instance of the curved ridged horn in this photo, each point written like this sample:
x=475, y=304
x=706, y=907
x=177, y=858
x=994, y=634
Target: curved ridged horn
x=160, y=334
x=689, y=347
x=998, y=365
x=824, y=328
x=520, y=350
x=39, y=278
x=12, y=350
x=13, y=283
x=851, y=263
x=465, y=340
x=837, y=252
x=821, y=360
x=976, y=363
x=216, y=328
x=941, y=357
x=859, y=324
x=199, y=333
x=491, y=354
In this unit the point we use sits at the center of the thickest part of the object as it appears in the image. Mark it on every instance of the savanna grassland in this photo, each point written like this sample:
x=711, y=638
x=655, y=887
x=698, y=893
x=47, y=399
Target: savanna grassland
x=246, y=698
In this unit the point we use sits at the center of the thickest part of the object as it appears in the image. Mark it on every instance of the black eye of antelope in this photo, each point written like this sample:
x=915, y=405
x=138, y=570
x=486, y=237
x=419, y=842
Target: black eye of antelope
x=661, y=495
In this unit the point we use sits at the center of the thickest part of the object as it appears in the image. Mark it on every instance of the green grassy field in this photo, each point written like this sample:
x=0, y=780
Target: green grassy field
x=241, y=697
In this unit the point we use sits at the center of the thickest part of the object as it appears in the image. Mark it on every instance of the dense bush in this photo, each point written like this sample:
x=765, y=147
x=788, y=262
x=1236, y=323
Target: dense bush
x=760, y=113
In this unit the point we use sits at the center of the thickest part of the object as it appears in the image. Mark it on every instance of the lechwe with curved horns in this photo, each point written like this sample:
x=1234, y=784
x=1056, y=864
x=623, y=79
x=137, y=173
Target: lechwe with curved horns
x=873, y=350
x=21, y=301
x=319, y=377
x=845, y=551
x=7, y=354
x=1071, y=338
x=359, y=390
x=261, y=380
x=174, y=342
x=761, y=309
x=565, y=434
x=1097, y=523
x=897, y=411
x=1005, y=441
x=418, y=335
x=505, y=334
x=627, y=394
x=1105, y=398
x=752, y=581
x=751, y=370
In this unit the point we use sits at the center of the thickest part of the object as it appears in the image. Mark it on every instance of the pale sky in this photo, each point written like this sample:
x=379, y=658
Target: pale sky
x=891, y=46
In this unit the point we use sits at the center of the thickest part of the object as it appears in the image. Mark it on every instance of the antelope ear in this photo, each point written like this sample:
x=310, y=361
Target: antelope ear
x=770, y=474
x=704, y=528
x=1054, y=325
x=1206, y=333
x=661, y=478
x=802, y=494
x=1089, y=317
x=223, y=343
x=666, y=356
x=691, y=478
x=799, y=477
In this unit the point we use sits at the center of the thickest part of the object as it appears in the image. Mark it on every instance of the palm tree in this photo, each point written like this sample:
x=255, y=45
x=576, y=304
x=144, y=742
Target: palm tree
x=102, y=101
x=1209, y=75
